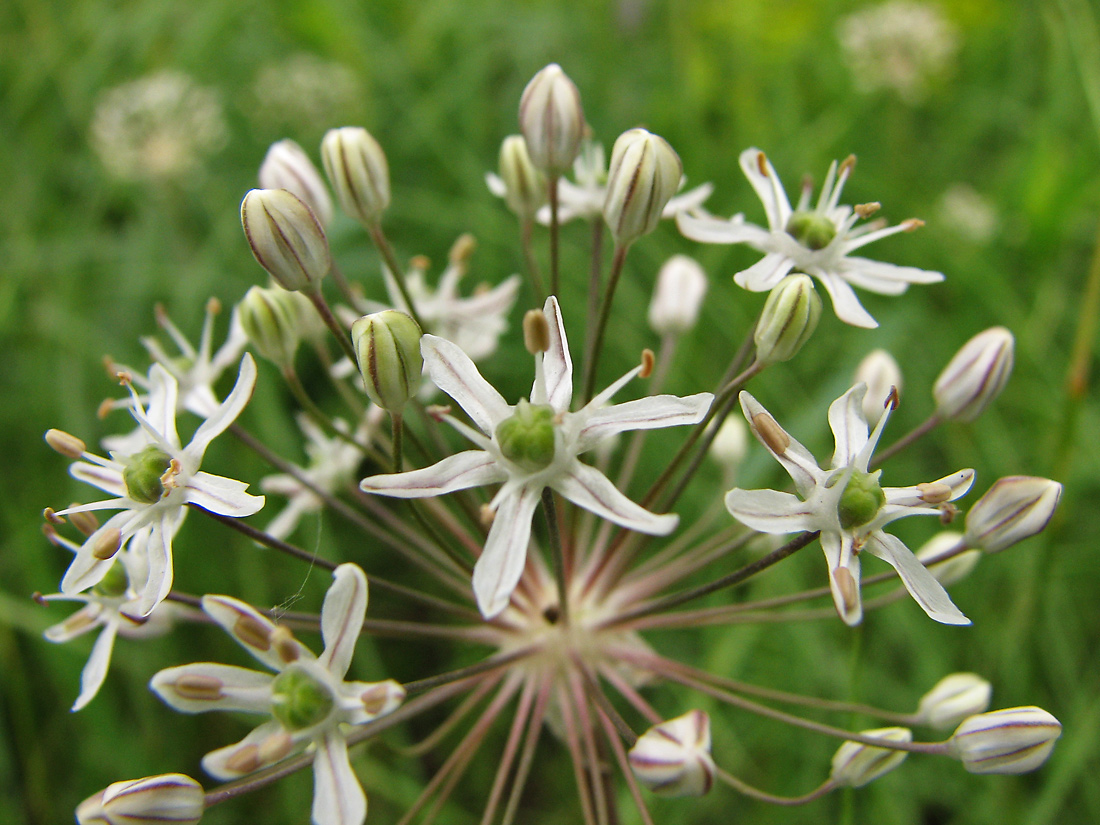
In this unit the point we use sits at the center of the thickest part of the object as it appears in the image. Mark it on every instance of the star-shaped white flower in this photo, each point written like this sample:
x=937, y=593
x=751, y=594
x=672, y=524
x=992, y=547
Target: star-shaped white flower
x=153, y=486
x=846, y=503
x=532, y=446
x=307, y=698
x=818, y=241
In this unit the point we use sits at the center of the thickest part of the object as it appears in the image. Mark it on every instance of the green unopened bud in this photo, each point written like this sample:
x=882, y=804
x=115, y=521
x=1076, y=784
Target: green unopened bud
x=527, y=437
x=524, y=185
x=552, y=120
x=811, y=229
x=286, y=238
x=861, y=500
x=789, y=318
x=271, y=320
x=299, y=700
x=645, y=173
x=387, y=345
x=144, y=472
x=357, y=169
x=855, y=764
x=287, y=166
x=154, y=800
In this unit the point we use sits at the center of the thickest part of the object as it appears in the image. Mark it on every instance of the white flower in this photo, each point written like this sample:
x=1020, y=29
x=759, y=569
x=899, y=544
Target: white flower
x=153, y=487
x=532, y=446
x=308, y=699
x=817, y=241
x=846, y=503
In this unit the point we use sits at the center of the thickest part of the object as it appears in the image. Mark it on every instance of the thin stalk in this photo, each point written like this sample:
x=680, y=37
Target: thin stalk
x=556, y=553
x=267, y=540
x=624, y=766
x=595, y=273
x=318, y=301
x=487, y=666
x=526, y=758
x=398, y=430
x=827, y=787
x=346, y=291
x=555, y=229
x=511, y=748
x=917, y=432
x=592, y=352
x=572, y=740
x=526, y=226
x=317, y=414
x=378, y=238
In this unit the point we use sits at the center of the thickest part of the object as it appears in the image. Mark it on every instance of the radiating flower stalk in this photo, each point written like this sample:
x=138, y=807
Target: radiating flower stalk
x=536, y=539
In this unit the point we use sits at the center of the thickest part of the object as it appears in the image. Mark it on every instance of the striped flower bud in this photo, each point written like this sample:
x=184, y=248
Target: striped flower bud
x=524, y=185
x=387, y=344
x=855, y=764
x=1013, y=509
x=645, y=173
x=286, y=238
x=552, y=120
x=673, y=758
x=681, y=285
x=975, y=376
x=950, y=570
x=789, y=318
x=270, y=319
x=1014, y=740
x=953, y=699
x=357, y=169
x=171, y=798
x=287, y=166
x=881, y=373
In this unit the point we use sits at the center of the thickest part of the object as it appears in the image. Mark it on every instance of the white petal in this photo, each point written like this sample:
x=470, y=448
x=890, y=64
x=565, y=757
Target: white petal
x=471, y=468
x=767, y=186
x=108, y=479
x=241, y=689
x=84, y=620
x=342, y=617
x=844, y=574
x=163, y=400
x=686, y=201
x=95, y=671
x=796, y=459
x=848, y=425
x=717, y=230
x=495, y=184
x=587, y=487
x=643, y=414
x=501, y=564
x=959, y=483
x=557, y=366
x=227, y=413
x=214, y=763
x=86, y=570
x=921, y=584
x=845, y=303
x=765, y=274
x=250, y=628
x=352, y=704
x=338, y=798
x=224, y=496
x=454, y=373
x=158, y=551
x=771, y=512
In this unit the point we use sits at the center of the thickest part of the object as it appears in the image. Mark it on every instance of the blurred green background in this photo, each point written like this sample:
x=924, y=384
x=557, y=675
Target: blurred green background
x=998, y=152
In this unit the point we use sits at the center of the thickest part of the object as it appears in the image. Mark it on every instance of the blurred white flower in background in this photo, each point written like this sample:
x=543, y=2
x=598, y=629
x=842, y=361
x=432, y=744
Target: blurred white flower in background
x=305, y=89
x=968, y=212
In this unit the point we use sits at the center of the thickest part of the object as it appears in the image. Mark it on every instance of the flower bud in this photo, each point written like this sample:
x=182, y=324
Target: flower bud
x=681, y=285
x=880, y=372
x=975, y=376
x=552, y=120
x=357, y=169
x=387, y=346
x=951, y=570
x=1013, y=509
x=673, y=758
x=287, y=166
x=154, y=800
x=524, y=185
x=286, y=238
x=1014, y=740
x=730, y=443
x=953, y=699
x=856, y=764
x=789, y=318
x=645, y=173
x=270, y=320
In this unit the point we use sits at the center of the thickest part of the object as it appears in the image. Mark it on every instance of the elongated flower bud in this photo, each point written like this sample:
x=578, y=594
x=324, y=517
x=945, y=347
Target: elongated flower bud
x=645, y=173
x=155, y=800
x=270, y=318
x=953, y=699
x=681, y=285
x=524, y=185
x=287, y=166
x=673, y=758
x=953, y=569
x=387, y=344
x=286, y=238
x=855, y=764
x=1014, y=740
x=881, y=373
x=789, y=318
x=975, y=376
x=357, y=169
x=552, y=120
x=1013, y=509
x=730, y=443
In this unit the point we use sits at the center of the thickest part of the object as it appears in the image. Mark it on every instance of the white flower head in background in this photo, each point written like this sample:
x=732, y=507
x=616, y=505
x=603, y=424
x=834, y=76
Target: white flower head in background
x=305, y=88
x=968, y=213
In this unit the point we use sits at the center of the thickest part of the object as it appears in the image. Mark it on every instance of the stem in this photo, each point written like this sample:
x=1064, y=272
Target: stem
x=557, y=553
x=755, y=793
x=929, y=424
x=489, y=665
x=398, y=430
x=552, y=186
x=317, y=414
x=345, y=288
x=341, y=334
x=592, y=353
x=268, y=541
x=378, y=238
x=532, y=265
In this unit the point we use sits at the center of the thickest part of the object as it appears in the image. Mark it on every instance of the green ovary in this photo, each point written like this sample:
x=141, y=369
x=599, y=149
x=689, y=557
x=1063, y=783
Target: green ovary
x=299, y=701
x=527, y=437
x=811, y=229
x=861, y=500
x=143, y=473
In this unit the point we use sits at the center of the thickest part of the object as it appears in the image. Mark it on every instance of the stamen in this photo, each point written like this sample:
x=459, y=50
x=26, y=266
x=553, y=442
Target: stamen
x=438, y=412
x=948, y=512
x=83, y=520
x=105, y=408
x=893, y=400
x=536, y=331
x=64, y=443
x=52, y=517
x=771, y=433
x=648, y=360
x=911, y=224
x=420, y=262
x=762, y=163
x=245, y=760
x=934, y=493
x=284, y=643
x=462, y=249
x=866, y=210
x=275, y=747
x=108, y=544
x=488, y=513
x=252, y=633
x=846, y=584
x=199, y=687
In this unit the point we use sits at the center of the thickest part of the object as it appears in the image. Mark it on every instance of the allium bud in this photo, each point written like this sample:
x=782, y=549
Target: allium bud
x=645, y=173
x=951, y=570
x=552, y=120
x=789, y=318
x=357, y=169
x=730, y=442
x=1013, y=509
x=270, y=319
x=286, y=238
x=155, y=800
x=673, y=758
x=953, y=699
x=856, y=764
x=681, y=285
x=975, y=376
x=287, y=166
x=387, y=344
x=880, y=372
x=1014, y=740
x=524, y=185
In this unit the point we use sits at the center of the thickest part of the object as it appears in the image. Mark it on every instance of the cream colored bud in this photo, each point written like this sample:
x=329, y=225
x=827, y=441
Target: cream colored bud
x=524, y=185
x=551, y=120
x=155, y=800
x=357, y=169
x=975, y=376
x=1010, y=741
x=730, y=443
x=287, y=166
x=789, y=318
x=953, y=699
x=387, y=344
x=856, y=764
x=270, y=319
x=286, y=238
x=1013, y=509
x=881, y=373
x=644, y=174
x=673, y=758
x=953, y=569
x=681, y=285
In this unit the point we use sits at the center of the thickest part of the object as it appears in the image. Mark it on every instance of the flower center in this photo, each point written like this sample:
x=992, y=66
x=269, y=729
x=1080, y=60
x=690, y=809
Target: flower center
x=861, y=500
x=811, y=229
x=299, y=700
x=526, y=437
x=144, y=472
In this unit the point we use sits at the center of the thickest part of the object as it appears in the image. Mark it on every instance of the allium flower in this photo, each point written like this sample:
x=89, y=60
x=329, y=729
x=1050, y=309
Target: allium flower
x=152, y=488
x=817, y=240
x=308, y=699
x=531, y=446
x=846, y=503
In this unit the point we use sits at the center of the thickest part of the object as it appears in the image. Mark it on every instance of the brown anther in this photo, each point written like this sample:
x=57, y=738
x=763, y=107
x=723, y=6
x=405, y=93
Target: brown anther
x=934, y=493
x=948, y=512
x=536, y=331
x=462, y=249
x=648, y=360
x=911, y=224
x=771, y=433
x=38, y=598
x=376, y=698
x=199, y=687
x=482, y=288
x=846, y=585
x=52, y=517
x=62, y=442
x=106, y=406
x=487, y=515
x=50, y=532
x=866, y=210
x=421, y=262
x=214, y=306
x=847, y=165
x=284, y=643
x=245, y=760
x=124, y=378
x=762, y=163
x=252, y=633
x=275, y=747
x=438, y=411
x=84, y=521
x=893, y=400
x=108, y=543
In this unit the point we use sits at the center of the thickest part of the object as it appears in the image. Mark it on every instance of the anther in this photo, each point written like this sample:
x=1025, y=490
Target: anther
x=252, y=633
x=911, y=224
x=84, y=521
x=38, y=598
x=866, y=210
x=487, y=515
x=648, y=361
x=275, y=748
x=62, y=442
x=438, y=411
x=420, y=262
x=52, y=517
x=245, y=760
x=948, y=512
x=536, y=331
x=108, y=544
x=377, y=697
x=771, y=433
x=284, y=643
x=934, y=493
x=199, y=687
x=105, y=408
x=124, y=378
x=214, y=306
x=762, y=163
x=893, y=400
x=847, y=165
x=846, y=585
